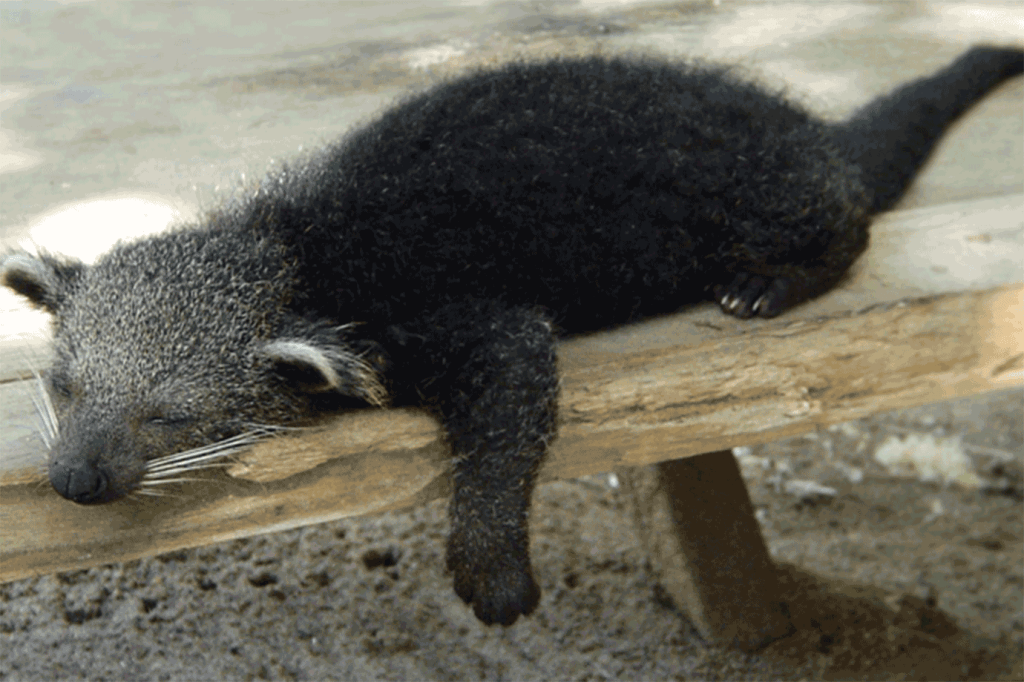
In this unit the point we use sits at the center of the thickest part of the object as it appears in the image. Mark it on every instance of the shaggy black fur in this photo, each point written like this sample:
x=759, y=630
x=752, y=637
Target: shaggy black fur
x=459, y=230
x=590, y=192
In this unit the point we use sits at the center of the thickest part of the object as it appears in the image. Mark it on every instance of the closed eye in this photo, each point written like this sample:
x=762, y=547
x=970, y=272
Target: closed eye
x=171, y=421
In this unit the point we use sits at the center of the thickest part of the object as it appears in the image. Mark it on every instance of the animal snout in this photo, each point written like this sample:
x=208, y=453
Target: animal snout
x=80, y=482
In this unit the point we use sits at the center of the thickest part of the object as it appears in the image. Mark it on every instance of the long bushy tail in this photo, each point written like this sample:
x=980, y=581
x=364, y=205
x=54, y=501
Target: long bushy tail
x=893, y=136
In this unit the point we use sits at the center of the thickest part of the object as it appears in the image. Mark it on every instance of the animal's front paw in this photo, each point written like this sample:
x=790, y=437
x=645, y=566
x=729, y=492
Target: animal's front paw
x=749, y=295
x=500, y=587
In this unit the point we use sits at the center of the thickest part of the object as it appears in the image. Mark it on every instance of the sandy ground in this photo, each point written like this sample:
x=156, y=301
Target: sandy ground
x=907, y=570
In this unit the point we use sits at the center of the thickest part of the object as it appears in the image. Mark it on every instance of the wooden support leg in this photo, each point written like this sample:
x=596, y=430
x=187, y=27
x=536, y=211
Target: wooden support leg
x=698, y=525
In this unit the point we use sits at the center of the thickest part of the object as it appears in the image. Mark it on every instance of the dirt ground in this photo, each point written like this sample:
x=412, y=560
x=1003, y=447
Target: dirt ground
x=903, y=573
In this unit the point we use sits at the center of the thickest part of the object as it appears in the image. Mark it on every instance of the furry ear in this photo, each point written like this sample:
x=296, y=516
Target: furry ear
x=318, y=368
x=44, y=280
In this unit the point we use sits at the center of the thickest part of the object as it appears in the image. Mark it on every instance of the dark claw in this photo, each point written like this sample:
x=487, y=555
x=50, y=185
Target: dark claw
x=749, y=295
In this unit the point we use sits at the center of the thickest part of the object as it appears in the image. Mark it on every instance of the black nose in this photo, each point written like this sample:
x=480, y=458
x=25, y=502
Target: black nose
x=80, y=482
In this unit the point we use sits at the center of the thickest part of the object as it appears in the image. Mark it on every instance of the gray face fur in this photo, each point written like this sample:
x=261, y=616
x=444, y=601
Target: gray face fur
x=170, y=344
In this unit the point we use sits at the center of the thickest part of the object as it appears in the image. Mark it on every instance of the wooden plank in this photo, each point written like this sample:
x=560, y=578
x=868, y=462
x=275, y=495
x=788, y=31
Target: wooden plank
x=677, y=386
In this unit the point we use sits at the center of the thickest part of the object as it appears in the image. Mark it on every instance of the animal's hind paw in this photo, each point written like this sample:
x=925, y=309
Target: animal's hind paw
x=500, y=588
x=749, y=295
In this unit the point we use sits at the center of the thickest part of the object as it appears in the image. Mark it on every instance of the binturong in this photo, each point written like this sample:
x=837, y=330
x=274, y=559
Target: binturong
x=432, y=257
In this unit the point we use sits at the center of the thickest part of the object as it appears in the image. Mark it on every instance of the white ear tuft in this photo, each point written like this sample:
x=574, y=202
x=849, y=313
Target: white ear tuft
x=44, y=280
x=327, y=368
x=307, y=357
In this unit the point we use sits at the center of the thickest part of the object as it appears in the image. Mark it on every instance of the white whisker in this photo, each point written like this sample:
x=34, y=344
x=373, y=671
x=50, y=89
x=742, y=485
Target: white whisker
x=206, y=452
x=168, y=469
x=150, y=492
x=159, y=473
x=44, y=410
x=147, y=484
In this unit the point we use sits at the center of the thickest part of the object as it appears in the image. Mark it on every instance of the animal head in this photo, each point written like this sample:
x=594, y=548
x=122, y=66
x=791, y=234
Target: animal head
x=174, y=350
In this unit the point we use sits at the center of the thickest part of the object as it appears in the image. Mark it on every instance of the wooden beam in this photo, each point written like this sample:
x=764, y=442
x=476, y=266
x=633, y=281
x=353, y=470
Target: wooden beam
x=697, y=523
x=935, y=310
